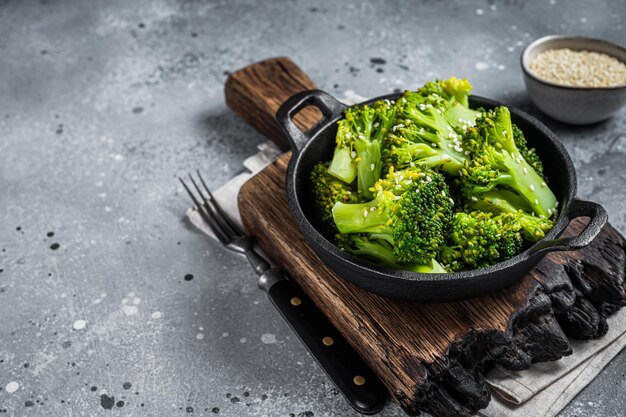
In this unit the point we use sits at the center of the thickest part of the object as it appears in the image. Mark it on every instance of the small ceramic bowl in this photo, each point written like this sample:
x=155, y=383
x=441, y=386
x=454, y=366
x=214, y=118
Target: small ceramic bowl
x=574, y=105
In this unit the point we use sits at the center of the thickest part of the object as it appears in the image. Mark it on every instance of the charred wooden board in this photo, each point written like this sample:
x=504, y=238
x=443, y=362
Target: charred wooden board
x=431, y=357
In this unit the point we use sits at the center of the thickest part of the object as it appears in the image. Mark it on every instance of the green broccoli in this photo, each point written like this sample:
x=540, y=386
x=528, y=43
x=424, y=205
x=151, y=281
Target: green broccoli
x=496, y=163
x=480, y=239
x=359, y=141
x=432, y=123
x=534, y=228
x=328, y=190
x=381, y=252
x=385, y=196
x=456, y=92
x=412, y=211
x=343, y=166
x=452, y=88
x=529, y=154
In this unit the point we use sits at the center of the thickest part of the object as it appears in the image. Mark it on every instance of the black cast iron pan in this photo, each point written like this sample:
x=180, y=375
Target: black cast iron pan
x=318, y=144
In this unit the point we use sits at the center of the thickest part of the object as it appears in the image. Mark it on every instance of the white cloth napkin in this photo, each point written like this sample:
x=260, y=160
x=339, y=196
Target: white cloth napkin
x=541, y=391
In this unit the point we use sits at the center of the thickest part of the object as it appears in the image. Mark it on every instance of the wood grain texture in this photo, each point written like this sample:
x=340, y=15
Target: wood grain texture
x=256, y=92
x=433, y=357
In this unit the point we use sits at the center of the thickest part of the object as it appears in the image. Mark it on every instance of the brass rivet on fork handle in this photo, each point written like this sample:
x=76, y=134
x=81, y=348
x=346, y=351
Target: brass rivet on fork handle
x=358, y=380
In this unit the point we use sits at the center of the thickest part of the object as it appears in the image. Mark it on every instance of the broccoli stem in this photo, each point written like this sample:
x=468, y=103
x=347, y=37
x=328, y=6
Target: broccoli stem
x=501, y=201
x=381, y=252
x=433, y=267
x=368, y=166
x=342, y=166
x=429, y=120
x=522, y=178
x=361, y=218
x=375, y=250
x=459, y=116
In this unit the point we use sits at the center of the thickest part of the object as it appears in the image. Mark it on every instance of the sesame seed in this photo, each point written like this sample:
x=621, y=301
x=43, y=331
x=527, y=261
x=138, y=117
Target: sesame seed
x=579, y=68
x=474, y=198
x=365, y=212
x=532, y=187
x=372, y=167
x=525, y=170
x=536, y=201
x=543, y=184
x=353, y=154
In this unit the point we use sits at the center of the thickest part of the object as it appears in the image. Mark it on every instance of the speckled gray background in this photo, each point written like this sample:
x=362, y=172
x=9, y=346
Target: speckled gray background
x=103, y=104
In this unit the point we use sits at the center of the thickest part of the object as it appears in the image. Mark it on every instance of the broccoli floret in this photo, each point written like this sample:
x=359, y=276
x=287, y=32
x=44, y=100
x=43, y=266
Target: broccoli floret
x=343, y=166
x=359, y=141
x=328, y=190
x=529, y=154
x=412, y=211
x=450, y=89
x=432, y=121
x=496, y=163
x=456, y=93
x=381, y=252
x=534, y=228
x=479, y=239
x=361, y=244
x=408, y=149
x=405, y=219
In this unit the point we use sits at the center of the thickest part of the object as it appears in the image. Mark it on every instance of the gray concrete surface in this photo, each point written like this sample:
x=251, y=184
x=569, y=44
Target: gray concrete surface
x=103, y=104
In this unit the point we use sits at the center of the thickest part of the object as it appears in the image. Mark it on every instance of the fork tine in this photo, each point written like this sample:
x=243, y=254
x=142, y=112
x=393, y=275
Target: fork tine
x=221, y=235
x=208, y=207
x=217, y=207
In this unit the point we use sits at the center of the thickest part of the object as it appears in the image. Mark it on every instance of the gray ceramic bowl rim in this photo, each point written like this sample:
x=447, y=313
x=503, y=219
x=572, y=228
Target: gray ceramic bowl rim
x=549, y=38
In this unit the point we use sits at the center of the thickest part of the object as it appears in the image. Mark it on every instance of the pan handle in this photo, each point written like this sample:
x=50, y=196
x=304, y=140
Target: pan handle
x=327, y=104
x=577, y=208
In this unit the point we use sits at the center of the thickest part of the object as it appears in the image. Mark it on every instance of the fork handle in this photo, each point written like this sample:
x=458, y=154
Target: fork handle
x=350, y=374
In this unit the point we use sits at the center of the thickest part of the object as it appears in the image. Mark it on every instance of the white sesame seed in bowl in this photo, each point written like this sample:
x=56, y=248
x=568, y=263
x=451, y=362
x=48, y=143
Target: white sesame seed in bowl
x=575, y=80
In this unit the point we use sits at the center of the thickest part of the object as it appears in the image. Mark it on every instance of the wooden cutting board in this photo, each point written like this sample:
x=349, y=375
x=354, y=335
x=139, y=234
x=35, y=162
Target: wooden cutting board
x=431, y=357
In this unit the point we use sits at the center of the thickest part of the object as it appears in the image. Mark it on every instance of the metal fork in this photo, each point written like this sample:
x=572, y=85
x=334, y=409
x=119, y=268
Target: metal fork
x=229, y=233
x=356, y=381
